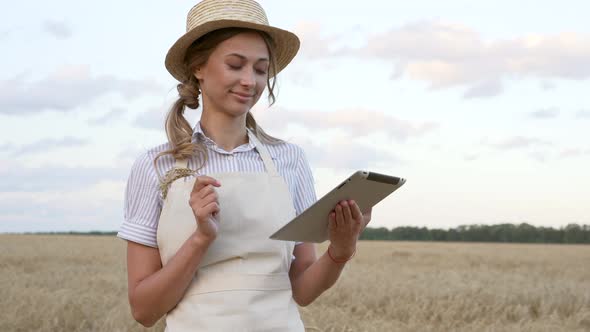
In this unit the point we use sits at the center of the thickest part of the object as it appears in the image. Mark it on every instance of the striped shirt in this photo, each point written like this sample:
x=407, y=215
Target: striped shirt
x=143, y=200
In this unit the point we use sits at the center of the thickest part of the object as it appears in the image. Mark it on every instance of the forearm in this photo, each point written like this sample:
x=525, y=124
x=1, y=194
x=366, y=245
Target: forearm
x=316, y=279
x=157, y=294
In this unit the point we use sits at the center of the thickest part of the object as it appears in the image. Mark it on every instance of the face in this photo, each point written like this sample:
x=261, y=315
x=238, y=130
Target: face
x=234, y=77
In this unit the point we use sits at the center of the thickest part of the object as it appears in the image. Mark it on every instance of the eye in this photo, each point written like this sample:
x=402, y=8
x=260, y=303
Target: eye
x=234, y=67
x=262, y=70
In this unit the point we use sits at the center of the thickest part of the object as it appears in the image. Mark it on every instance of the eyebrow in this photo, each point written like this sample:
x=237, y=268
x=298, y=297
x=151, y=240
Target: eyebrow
x=244, y=58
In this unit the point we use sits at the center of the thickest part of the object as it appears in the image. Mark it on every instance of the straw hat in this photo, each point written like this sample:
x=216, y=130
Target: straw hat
x=209, y=15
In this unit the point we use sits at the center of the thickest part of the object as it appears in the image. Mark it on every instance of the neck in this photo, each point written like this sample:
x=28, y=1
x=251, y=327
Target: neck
x=227, y=132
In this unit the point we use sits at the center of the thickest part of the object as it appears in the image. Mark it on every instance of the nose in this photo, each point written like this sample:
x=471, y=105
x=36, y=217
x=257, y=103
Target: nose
x=248, y=78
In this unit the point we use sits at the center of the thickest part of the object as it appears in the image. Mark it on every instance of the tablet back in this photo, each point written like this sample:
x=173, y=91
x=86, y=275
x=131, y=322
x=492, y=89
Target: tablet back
x=365, y=188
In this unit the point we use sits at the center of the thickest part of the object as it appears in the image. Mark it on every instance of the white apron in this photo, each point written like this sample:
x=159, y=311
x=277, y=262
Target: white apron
x=242, y=283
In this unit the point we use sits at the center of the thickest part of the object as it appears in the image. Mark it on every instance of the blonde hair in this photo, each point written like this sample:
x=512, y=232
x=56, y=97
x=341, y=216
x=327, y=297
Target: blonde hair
x=178, y=130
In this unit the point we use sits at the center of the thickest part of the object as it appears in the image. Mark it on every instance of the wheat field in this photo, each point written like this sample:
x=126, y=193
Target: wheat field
x=78, y=283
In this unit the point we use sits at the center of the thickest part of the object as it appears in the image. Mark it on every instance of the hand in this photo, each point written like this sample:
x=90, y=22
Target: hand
x=366, y=219
x=205, y=205
x=345, y=224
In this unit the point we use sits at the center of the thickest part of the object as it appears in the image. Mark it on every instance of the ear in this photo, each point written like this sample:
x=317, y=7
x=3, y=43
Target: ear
x=198, y=74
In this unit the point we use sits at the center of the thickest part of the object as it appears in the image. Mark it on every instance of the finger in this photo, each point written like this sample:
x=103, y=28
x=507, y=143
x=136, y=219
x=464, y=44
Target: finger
x=356, y=211
x=212, y=197
x=205, y=191
x=332, y=215
x=347, y=214
x=203, y=181
x=339, y=216
x=331, y=221
x=209, y=209
x=201, y=194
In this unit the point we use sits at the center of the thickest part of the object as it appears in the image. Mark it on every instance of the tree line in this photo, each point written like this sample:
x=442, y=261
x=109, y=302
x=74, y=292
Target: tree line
x=523, y=233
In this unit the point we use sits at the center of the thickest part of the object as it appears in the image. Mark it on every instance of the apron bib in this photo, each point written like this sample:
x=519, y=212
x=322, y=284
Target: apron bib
x=242, y=282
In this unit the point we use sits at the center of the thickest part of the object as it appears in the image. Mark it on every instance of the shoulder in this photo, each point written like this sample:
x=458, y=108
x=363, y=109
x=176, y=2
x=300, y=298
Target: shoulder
x=153, y=151
x=144, y=163
x=285, y=151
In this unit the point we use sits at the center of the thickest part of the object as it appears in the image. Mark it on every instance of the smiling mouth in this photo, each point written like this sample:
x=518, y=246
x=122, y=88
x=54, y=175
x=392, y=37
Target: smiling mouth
x=243, y=95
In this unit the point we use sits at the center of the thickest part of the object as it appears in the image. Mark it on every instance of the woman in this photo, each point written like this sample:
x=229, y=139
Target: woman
x=198, y=248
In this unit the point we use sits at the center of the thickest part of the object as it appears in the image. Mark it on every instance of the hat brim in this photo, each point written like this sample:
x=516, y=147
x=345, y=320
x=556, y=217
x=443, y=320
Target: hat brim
x=286, y=45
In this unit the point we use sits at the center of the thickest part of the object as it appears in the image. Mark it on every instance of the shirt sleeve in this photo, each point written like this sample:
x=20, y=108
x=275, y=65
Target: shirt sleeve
x=142, y=205
x=305, y=195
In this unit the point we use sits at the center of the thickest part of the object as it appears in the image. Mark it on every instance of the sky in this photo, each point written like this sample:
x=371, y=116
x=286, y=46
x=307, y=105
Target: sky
x=479, y=105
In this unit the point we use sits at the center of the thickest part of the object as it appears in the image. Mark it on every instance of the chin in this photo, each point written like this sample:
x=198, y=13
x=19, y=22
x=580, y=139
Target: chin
x=239, y=108
x=238, y=111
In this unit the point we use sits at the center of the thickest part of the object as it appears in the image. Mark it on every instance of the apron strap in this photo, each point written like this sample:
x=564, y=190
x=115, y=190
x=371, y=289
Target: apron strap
x=266, y=158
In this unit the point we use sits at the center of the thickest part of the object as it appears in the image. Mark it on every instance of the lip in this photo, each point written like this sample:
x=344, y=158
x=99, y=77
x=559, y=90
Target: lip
x=245, y=95
x=242, y=97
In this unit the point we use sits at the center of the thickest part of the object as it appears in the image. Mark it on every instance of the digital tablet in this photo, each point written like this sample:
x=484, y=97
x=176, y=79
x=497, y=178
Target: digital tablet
x=365, y=188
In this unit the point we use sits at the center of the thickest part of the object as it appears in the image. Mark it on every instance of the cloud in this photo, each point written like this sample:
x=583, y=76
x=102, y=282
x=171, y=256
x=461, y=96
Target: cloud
x=313, y=44
x=58, y=29
x=484, y=89
x=539, y=156
x=547, y=85
x=344, y=149
x=573, y=152
x=151, y=119
x=109, y=117
x=4, y=34
x=6, y=147
x=517, y=142
x=355, y=122
x=545, y=113
x=16, y=178
x=347, y=153
x=447, y=54
x=94, y=206
x=56, y=197
x=65, y=89
x=44, y=145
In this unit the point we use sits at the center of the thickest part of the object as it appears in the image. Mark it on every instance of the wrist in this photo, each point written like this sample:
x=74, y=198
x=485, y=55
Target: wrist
x=200, y=240
x=338, y=255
